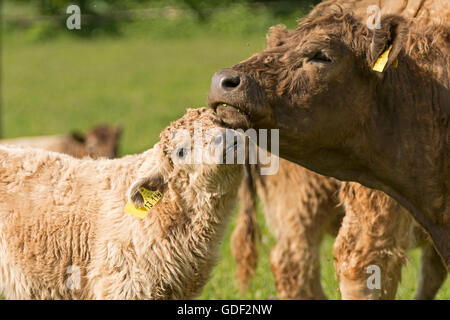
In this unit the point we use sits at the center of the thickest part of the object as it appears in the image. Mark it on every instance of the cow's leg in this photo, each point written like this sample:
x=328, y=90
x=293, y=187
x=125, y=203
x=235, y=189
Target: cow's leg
x=372, y=244
x=432, y=274
x=295, y=259
x=296, y=268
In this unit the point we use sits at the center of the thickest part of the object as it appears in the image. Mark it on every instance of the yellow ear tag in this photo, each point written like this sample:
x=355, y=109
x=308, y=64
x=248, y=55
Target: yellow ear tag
x=150, y=199
x=380, y=64
x=135, y=211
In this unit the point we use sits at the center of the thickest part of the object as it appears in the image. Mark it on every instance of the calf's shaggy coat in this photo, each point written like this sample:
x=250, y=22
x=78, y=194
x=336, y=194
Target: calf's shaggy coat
x=61, y=217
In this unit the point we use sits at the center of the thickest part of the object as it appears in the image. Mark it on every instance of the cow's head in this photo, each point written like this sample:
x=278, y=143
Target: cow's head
x=100, y=142
x=103, y=141
x=315, y=83
x=191, y=159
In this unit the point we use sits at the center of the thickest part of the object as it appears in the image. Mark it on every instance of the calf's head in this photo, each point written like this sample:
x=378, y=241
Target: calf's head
x=315, y=83
x=190, y=160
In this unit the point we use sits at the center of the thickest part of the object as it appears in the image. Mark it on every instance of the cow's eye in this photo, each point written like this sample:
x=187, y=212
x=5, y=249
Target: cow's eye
x=319, y=57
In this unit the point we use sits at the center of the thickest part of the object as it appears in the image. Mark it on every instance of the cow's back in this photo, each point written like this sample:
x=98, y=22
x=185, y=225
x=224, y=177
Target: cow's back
x=57, y=143
x=437, y=11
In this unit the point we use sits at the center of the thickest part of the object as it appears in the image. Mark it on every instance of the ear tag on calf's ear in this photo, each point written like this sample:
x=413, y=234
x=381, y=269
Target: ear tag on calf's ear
x=135, y=211
x=381, y=62
x=150, y=199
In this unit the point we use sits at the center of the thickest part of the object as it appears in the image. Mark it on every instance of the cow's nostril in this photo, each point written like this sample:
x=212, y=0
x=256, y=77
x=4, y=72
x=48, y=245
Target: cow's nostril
x=229, y=83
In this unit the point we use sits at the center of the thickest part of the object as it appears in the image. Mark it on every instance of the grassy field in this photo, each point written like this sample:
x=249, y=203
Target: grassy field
x=54, y=86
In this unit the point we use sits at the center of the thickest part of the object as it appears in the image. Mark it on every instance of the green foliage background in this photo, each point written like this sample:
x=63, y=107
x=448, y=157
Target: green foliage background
x=143, y=73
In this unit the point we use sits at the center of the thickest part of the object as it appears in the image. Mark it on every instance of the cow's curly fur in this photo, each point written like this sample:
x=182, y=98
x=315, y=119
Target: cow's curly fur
x=246, y=233
x=428, y=11
x=340, y=118
x=300, y=206
x=375, y=231
x=60, y=215
x=281, y=89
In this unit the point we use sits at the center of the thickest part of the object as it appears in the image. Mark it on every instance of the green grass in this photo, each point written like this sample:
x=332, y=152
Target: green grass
x=144, y=83
x=54, y=86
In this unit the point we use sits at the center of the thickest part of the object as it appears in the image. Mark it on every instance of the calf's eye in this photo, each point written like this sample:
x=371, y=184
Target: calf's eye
x=319, y=57
x=181, y=152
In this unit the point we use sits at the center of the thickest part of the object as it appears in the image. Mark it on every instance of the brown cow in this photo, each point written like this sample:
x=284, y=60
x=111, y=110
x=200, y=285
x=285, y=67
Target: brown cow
x=338, y=117
x=377, y=232
x=427, y=11
x=99, y=142
x=300, y=206
x=358, y=247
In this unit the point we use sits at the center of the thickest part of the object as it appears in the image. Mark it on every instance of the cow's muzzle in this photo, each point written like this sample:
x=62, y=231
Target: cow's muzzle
x=228, y=97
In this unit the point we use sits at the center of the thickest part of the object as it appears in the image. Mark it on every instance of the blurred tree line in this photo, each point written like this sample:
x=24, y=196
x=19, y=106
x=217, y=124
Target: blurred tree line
x=107, y=15
x=201, y=7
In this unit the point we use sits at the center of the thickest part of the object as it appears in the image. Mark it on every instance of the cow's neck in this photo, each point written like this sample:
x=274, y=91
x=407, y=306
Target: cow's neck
x=407, y=138
x=407, y=148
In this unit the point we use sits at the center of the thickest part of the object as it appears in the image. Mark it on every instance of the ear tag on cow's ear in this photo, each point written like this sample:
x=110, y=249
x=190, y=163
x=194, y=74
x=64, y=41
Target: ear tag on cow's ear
x=381, y=62
x=150, y=199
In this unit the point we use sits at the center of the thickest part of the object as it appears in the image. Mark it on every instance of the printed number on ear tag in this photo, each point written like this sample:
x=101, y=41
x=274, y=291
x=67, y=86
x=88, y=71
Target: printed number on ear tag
x=150, y=199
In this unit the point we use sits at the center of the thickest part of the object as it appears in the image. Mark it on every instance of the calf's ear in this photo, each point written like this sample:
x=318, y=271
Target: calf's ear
x=392, y=32
x=153, y=182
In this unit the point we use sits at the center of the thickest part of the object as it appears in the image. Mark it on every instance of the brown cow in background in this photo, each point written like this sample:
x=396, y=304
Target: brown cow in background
x=300, y=206
x=100, y=142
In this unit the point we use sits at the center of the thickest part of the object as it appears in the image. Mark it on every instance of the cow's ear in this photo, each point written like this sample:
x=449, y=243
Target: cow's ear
x=387, y=43
x=153, y=182
x=276, y=36
x=77, y=136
